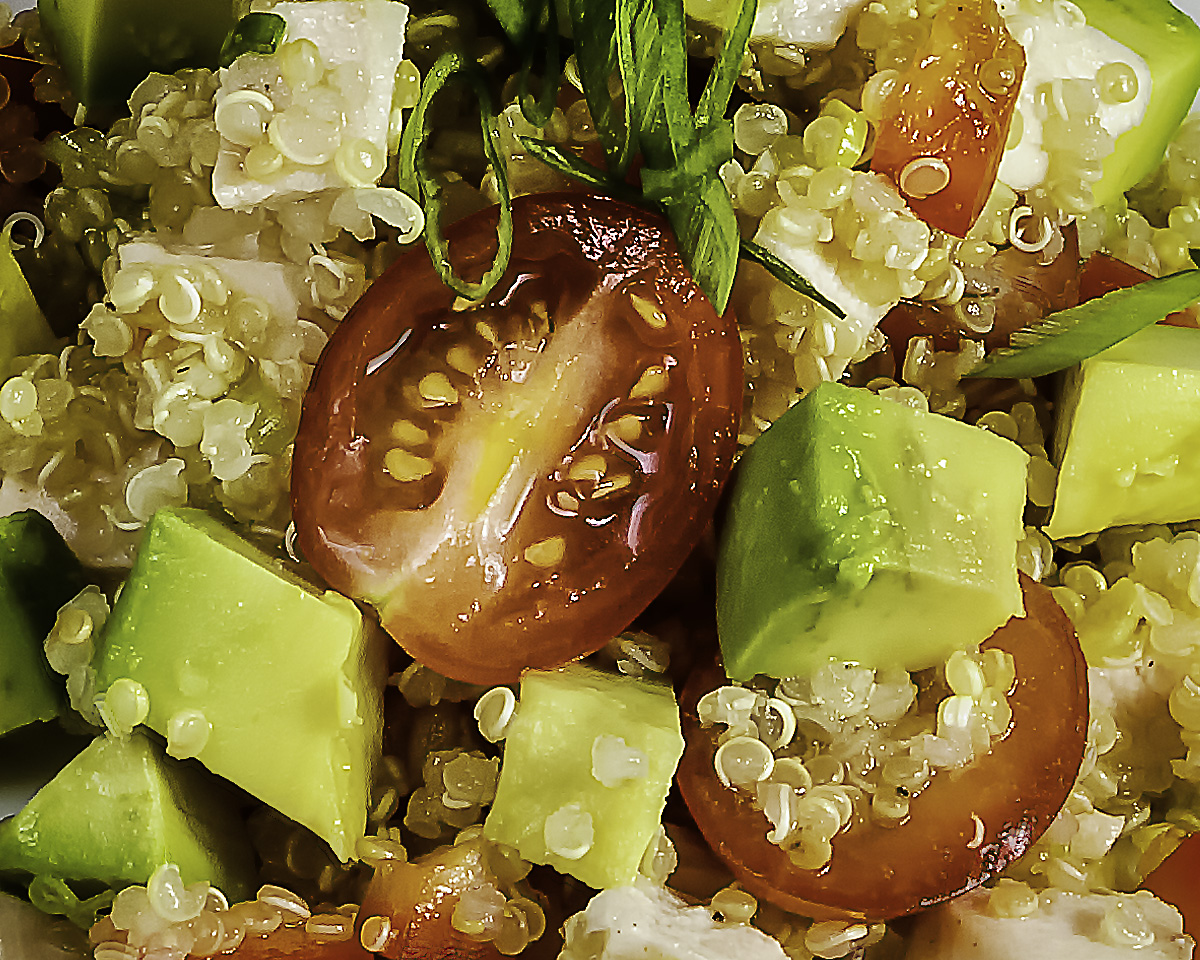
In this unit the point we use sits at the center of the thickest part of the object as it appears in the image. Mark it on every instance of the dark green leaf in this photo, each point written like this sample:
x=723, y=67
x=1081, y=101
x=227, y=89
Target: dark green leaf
x=604, y=54
x=692, y=164
x=1070, y=336
x=517, y=17
x=537, y=110
x=572, y=166
x=418, y=181
x=259, y=33
x=727, y=68
x=783, y=272
x=707, y=229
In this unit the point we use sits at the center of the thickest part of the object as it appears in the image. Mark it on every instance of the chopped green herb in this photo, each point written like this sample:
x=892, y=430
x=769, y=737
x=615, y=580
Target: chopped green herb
x=604, y=54
x=259, y=33
x=572, y=166
x=1070, y=336
x=537, y=110
x=783, y=272
x=419, y=182
x=517, y=17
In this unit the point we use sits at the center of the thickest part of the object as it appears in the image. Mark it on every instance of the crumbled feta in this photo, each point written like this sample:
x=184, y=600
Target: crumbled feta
x=632, y=923
x=1059, y=47
x=1066, y=926
x=803, y=23
x=310, y=124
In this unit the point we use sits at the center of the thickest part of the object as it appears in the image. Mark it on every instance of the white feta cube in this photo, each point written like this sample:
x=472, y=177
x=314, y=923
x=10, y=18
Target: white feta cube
x=808, y=24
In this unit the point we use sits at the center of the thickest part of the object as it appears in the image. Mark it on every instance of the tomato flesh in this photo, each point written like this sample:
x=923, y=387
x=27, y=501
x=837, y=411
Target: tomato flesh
x=1175, y=882
x=1101, y=274
x=881, y=872
x=950, y=112
x=510, y=483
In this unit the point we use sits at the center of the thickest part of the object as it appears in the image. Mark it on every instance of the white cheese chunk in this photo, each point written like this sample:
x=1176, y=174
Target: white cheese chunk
x=633, y=923
x=1061, y=48
x=1065, y=926
x=360, y=45
x=809, y=24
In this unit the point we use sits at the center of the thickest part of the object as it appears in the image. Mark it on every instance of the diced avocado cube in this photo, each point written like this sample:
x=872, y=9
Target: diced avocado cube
x=23, y=328
x=118, y=811
x=862, y=529
x=266, y=680
x=38, y=574
x=1169, y=42
x=588, y=760
x=107, y=47
x=1128, y=435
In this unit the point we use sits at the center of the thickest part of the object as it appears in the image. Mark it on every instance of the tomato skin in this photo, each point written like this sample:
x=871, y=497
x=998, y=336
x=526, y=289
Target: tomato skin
x=1101, y=274
x=878, y=873
x=1019, y=287
x=451, y=581
x=1175, y=881
x=950, y=105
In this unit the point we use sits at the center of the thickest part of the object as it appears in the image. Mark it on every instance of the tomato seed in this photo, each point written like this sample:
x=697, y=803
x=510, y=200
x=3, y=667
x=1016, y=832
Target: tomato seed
x=406, y=467
x=627, y=428
x=408, y=433
x=651, y=383
x=612, y=484
x=546, y=553
x=649, y=312
x=592, y=467
x=461, y=359
x=437, y=389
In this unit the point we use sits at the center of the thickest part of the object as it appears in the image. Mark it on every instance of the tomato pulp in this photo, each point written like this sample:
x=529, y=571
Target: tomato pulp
x=963, y=829
x=510, y=482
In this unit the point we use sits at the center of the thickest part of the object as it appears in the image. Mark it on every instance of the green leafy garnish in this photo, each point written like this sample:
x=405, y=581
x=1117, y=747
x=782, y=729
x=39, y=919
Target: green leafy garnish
x=783, y=272
x=1070, y=336
x=259, y=33
x=604, y=54
x=418, y=181
x=569, y=165
x=517, y=17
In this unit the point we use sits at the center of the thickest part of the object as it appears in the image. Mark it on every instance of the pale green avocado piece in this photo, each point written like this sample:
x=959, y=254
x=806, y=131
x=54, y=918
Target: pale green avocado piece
x=860, y=529
x=23, y=328
x=1128, y=436
x=118, y=811
x=288, y=677
x=571, y=724
x=1169, y=42
x=38, y=574
x=107, y=47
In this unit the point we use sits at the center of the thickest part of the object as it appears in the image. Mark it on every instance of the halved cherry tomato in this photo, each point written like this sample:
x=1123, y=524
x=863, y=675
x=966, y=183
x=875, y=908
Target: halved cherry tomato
x=946, y=121
x=882, y=872
x=511, y=482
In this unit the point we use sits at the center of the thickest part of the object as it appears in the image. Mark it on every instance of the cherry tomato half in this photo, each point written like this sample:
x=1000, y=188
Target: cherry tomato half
x=1101, y=274
x=510, y=483
x=882, y=872
x=1175, y=882
x=946, y=121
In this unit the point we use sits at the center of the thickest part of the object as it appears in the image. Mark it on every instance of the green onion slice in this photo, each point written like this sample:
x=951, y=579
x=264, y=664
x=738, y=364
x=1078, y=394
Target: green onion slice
x=1071, y=336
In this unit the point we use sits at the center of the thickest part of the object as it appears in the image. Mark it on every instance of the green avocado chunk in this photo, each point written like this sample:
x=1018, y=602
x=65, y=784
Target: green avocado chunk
x=861, y=529
x=107, y=47
x=1128, y=436
x=588, y=760
x=1169, y=42
x=121, y=809
x=38, y=574
x=266, y=680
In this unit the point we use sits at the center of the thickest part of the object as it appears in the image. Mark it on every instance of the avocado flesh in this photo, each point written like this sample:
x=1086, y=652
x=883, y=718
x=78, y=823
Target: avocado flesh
x=107, y=47
x=1169, y=42
x=23, y=327
x=549, y=765
x=863, y=530
x=118, y=811
x=1128, y=440
x=286, y=675
x=38, y=574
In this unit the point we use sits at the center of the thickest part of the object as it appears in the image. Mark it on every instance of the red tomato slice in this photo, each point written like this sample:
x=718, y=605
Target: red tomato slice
x=509, y=484
x=882, y=872
x=946, y=122
x=1175, y=881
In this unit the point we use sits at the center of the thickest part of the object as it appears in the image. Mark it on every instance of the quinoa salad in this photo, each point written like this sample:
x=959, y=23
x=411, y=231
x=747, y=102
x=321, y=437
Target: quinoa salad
x=599, y=479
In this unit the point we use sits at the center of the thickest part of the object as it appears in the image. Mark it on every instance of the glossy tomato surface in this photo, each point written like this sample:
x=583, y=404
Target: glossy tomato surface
x=510, y=482
x=882, y=872
x=949, y=114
